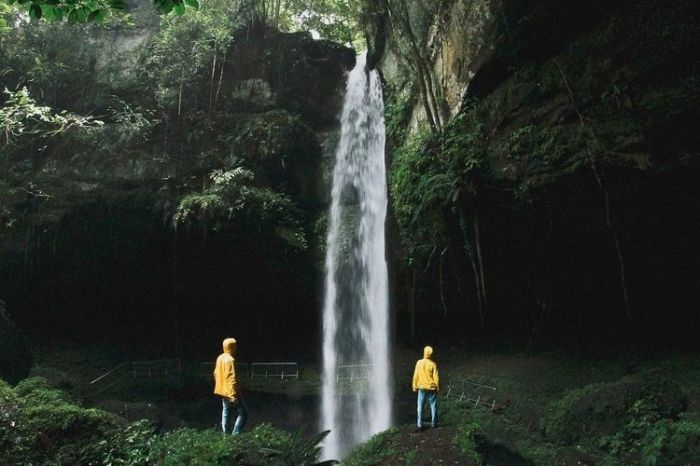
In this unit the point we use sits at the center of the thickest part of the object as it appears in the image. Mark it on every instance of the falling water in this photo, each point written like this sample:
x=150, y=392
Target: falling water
x=355, y=314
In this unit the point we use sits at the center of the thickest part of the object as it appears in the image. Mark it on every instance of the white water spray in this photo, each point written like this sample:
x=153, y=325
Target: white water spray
x=356, y=307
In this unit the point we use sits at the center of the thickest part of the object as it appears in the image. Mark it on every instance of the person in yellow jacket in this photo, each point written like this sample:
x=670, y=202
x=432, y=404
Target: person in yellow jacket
x=227, y=387
x=426, y=382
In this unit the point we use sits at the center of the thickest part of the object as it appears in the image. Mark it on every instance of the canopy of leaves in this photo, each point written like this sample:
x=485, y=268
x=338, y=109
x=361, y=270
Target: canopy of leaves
x=336, y=20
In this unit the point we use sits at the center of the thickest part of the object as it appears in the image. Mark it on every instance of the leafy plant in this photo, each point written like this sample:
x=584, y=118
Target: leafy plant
x=375, y=451
x=230, y=195
x=468, y=439
x=132, y=446
x=298, y=451
x=21, y=116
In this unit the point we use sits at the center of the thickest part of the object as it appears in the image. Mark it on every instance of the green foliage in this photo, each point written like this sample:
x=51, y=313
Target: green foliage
x=9, y=414
x=468, y=439
x=376, y=451
x=190, y=447
x=132, y=446
x=298, y=451
x=397, y=110
x=336, y=20
x=649, y=440
x=264, y=445
x=39, y=426
x=15, y=358
x=602, y=409
x=21, y=116
x=232, y=197
x=90, y=11
x=431, y=175
x=185, y=46
x=38, y=391
x=130, y=127
x=274, y=139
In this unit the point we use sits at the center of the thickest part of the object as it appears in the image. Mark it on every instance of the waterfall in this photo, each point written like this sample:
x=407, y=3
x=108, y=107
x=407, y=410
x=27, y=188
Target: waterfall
x=356, y=399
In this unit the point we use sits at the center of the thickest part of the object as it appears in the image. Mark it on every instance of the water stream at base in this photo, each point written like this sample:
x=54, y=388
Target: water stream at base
x=356, y=305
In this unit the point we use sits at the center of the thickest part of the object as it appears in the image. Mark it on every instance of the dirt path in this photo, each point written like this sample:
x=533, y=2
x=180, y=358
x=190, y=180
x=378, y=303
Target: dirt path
x=427, y=448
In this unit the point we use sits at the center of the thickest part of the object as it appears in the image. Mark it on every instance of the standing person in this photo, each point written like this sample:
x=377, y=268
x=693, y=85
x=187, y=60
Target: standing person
x=227, y=387
x=427, y=383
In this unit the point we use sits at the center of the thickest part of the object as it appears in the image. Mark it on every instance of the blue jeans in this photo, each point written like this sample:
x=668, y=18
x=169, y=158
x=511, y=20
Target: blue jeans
x=231, y=409
x=431, y=395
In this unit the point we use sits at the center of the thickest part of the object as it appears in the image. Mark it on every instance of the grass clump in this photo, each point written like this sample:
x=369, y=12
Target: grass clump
x=376, y=451
x=468, y=439
x=264, y=445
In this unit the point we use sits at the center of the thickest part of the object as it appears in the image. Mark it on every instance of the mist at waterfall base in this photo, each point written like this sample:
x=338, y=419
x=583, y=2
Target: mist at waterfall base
x=355, y=313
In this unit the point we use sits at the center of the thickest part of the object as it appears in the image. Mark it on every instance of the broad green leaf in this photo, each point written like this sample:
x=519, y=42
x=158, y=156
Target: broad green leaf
x=35, y=11
x=165, y=6
x=192, y=3
x=117, y=4
x=97, y=16
x=47, y=12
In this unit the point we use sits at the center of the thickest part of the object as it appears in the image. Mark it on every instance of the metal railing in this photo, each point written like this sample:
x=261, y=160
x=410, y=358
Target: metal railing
x=136, y=370
x=156, y=368
x=275, y=370
x=206, y=369
x=471, y=392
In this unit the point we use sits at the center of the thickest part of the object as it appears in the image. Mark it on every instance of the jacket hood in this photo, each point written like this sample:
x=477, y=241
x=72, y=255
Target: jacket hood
x=229, y=345
x=428, y=352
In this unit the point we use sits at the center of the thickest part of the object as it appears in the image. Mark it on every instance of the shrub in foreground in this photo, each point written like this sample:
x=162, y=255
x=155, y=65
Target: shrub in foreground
x=15, y=358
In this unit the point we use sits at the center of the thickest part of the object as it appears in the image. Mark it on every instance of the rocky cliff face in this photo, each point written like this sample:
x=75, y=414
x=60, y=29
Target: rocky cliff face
x=454, y=38
x=564, y=134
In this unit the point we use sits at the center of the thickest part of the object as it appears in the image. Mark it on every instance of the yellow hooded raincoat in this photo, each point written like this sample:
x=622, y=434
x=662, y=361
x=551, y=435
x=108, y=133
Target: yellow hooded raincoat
x=425, y=376
x=226, y=382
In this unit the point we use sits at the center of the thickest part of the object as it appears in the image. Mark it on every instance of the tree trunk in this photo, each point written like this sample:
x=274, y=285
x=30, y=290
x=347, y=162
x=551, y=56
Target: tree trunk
x=412, y=305
x=477, y=240
x=179, y=97
x=469, y=251
x=211, y=80
x=442, y=283
x=221, y=77
x=426, y=92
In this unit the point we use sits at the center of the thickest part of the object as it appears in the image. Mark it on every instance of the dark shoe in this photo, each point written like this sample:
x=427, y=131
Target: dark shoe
x=419, y=429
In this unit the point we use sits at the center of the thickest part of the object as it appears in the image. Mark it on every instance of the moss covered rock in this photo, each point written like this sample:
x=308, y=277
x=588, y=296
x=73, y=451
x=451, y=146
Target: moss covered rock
x=9, y=407
x=15, y=358
x=38, y=425
x=602, y=409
